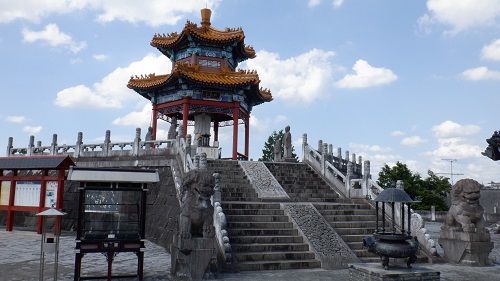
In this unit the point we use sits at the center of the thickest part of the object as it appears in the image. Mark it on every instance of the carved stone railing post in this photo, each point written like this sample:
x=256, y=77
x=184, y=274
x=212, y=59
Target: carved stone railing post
x=107, y=140
x=366, y=179
x=53, y=145
x=181, y=131
x=137, y=142
x=339, y=158
x=188, y=144
x=320, y=147
x=348, y=177
x=31, y=144
x=354, y=166
x=330, y=150
x=9, y=146
x=203, y=161
x=197, y=161
x=78, y=146
x=325, y=150
x=304, y=144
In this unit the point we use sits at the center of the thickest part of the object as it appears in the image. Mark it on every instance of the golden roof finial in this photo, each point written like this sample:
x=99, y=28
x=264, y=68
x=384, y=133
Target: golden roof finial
x=205, y=17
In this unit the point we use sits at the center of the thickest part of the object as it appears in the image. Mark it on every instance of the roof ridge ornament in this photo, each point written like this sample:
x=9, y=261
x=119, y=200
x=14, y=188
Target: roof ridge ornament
x=205, y=17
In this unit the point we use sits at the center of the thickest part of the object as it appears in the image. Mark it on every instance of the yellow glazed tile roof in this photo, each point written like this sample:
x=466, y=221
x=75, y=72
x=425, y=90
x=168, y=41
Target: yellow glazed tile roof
x=193, y=73
x=203, y=33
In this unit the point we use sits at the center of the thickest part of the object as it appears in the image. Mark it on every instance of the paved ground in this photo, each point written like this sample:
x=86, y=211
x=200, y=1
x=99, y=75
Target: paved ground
x=20, y=259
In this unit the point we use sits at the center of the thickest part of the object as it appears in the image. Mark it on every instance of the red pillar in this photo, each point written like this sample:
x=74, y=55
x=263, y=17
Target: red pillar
x=154, y=121
x=247, y=134
x=216, y=130
x=235, y=130
x=10, y=213
x=41, y=203
x=185, y=113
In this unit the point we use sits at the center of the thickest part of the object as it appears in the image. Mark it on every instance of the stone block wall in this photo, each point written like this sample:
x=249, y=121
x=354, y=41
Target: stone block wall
x=162, y=209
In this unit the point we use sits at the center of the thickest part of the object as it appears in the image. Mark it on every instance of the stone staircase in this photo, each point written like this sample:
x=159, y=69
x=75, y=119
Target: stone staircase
x=352, y=221
x=262, y=236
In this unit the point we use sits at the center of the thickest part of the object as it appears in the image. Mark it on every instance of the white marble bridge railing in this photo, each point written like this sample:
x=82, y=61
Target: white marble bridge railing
x=107, y=148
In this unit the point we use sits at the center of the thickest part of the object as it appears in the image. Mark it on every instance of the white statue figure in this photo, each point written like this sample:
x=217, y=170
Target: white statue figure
x=201, y=125
x=172, y=131
x=287, y=143
x=277, y=150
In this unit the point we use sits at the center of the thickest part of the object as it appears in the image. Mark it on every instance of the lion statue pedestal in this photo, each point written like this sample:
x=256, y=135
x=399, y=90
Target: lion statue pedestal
x=193, y=253
x=463, y=236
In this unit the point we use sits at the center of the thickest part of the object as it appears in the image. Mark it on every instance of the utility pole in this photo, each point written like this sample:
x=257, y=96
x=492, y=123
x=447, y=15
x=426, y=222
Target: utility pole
x=451, y=170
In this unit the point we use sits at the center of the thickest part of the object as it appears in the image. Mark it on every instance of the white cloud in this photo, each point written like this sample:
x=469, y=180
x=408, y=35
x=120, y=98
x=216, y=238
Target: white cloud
x=112, y=91
x=366, y=76
x=31, y=130
x=491, y=51
x=313, y=3
x=100, y=57
x=449, y=129
x=297, y=80
x=412, y=141
x=456, y=148
x=481, y=73
x=16, y=119
x=397, y=133
x=53, y=37
x=337, y=3
x=460, y=15
x=370, y=148
x=141, y=119
x=152, y=12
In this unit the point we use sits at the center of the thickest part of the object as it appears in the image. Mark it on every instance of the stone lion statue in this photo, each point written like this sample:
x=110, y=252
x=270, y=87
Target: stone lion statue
x=465, y=213
x=196, y=216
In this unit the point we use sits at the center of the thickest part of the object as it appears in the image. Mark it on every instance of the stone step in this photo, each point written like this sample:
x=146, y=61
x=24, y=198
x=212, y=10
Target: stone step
x=341, y=206
x=288, y=239
x=250, y=205
x=257, y=218
x=269, y=256
x=271, y=247
x=348, y=212
x=227, y=195
x=355, y=231
x=278, y=265
x=265, y=231
x=335, y=218
x=259, y=225
x=353, y=224
x=251, y=212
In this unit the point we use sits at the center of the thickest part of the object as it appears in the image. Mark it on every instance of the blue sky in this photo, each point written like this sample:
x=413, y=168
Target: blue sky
x=390, y=80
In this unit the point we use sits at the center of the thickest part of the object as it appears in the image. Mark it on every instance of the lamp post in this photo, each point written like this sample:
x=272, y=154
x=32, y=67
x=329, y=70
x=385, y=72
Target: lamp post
x=50, y=243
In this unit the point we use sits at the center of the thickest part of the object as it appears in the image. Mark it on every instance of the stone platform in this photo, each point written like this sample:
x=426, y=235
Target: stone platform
x=376, y=272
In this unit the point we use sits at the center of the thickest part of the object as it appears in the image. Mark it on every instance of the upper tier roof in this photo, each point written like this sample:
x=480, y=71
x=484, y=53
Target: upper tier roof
x=204, y=34
x=224, y=78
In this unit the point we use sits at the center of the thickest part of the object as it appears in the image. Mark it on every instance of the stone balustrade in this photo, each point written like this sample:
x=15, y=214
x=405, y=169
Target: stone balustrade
x=107, y=148
x=353, y=182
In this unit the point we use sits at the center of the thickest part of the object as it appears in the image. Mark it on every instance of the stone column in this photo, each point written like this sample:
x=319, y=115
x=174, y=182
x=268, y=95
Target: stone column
x=9, y=146
x=137, y=142
x=53, y=145
x=31, y=144
x=106, y=146
x=304, y=144
x=320, y=147
x=78, y=146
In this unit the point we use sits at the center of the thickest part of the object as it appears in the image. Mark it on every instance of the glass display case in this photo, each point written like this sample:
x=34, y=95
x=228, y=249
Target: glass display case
x=111, y=215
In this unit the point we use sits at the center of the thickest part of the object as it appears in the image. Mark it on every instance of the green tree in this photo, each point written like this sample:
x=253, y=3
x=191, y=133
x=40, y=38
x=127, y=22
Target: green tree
x=268, y=150
x=430, y=191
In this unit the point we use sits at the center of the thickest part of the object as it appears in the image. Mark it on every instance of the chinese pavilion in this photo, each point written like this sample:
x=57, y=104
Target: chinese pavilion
x=204, y=88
